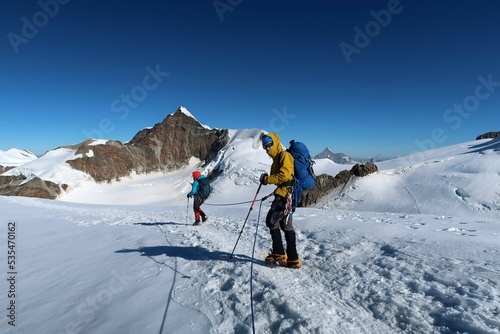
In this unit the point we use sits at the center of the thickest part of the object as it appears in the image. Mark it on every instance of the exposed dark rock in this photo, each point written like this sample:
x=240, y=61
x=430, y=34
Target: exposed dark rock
x=5, y=168
x=325, y=184
x=488, y=135
x=103, y=162
x=36, y=187
x=363, y=170
x=9, y=183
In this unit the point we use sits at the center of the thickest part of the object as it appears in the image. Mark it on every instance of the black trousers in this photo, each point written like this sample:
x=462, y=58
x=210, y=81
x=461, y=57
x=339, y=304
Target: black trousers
x=197, y=208
x=278, y=221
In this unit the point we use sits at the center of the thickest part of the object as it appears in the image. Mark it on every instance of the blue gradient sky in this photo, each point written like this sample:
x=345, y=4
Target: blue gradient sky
x=366, y=78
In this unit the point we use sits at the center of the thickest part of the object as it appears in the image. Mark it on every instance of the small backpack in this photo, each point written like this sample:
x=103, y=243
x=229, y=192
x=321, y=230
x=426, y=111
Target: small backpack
x=304, y=177
x=204, y=188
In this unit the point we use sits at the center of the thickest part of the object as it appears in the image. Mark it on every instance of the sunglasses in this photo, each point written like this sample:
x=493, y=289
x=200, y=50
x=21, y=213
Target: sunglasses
x=267, y=146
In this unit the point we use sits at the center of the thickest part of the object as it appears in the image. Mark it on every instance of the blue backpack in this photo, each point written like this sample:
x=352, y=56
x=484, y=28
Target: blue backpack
x=304, y=177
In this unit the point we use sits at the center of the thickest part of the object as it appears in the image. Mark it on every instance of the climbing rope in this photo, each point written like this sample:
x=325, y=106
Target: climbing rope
x=227, y=204
x=251, y=265
x=238, y=203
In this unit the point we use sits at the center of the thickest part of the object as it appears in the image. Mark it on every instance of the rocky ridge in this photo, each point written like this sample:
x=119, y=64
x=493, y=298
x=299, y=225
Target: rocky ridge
x=327, y=183
x=488, y=135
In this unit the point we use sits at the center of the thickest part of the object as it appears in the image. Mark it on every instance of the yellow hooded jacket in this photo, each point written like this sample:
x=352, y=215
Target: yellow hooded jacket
x=281, y=168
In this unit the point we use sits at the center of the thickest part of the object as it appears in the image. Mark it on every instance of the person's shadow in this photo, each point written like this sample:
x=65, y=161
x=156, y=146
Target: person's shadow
x=158, y=224
x=190, y=253
x=196, y=253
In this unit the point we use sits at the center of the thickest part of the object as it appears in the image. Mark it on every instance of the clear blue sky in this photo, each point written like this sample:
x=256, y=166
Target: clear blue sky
x=366, y=78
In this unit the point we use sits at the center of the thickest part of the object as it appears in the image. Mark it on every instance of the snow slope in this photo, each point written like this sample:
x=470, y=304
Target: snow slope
x=52, y=166
x=15, y=157
x=459, y=180
x=123, y=257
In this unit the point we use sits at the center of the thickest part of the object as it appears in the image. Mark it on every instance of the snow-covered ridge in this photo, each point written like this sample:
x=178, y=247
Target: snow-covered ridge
x=52, y=166
x=187, y=113
x=430, y=182
x=15, y=157
x=98, y=142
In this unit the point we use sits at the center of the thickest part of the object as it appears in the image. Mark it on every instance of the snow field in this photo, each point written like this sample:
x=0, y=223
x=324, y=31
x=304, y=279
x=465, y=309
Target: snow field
x=402, y=251
x=112, y=269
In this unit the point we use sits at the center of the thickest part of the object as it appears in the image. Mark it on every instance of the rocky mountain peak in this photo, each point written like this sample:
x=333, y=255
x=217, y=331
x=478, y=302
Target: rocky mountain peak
x=339, y=158
x=166, y=146
x=180, y=118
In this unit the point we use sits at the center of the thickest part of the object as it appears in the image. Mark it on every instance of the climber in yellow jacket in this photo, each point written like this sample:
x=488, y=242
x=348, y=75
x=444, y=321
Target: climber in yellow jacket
x=279, y=216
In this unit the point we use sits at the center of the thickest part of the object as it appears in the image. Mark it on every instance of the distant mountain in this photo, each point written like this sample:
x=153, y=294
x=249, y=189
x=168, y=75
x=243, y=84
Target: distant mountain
x=339, y=158
x=13, y=158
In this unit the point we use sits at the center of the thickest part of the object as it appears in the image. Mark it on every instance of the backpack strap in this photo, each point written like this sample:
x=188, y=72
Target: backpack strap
x=292, y=181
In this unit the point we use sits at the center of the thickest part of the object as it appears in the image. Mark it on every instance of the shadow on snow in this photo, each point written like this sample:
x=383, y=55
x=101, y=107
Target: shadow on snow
x=493, y=144
x=158, y=224
x=189, y=253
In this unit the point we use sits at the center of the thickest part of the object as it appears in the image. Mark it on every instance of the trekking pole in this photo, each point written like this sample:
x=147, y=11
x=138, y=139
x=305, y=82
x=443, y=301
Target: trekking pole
x=251, y=207
x=187, y=211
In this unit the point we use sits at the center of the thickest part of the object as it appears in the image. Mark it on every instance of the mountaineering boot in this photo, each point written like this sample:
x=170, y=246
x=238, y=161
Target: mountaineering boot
x=276, y=258
x=197, y=223
x=203, y=216
x=295, y=264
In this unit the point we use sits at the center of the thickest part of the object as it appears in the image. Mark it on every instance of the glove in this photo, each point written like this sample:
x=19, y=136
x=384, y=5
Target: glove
x=263, y=178
x=189, y=195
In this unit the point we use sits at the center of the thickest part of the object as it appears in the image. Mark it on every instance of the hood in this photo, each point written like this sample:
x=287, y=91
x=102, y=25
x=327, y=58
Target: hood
x=276, y=148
